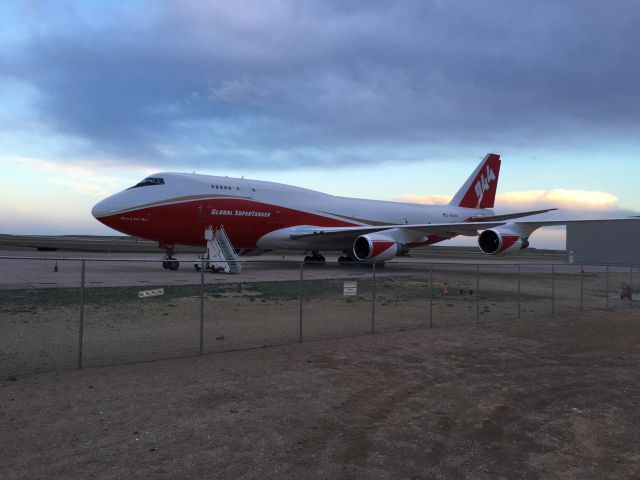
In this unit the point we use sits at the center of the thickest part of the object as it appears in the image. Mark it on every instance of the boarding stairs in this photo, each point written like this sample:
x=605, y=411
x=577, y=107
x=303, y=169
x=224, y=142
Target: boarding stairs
x=221, y=257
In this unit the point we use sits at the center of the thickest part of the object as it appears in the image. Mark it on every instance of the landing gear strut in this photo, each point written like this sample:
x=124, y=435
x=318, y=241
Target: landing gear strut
x=314, y=259
x=169, y=262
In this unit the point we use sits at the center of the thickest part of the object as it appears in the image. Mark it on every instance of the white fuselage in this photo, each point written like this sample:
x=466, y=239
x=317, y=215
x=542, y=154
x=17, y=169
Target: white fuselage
x=177, y=207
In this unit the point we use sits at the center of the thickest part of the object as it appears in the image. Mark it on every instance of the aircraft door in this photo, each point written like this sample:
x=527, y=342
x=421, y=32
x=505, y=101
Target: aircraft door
x=245, y=188
x=201, y=212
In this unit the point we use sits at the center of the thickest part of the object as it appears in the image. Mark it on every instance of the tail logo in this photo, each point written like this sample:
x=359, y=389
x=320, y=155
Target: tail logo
x=483, y=183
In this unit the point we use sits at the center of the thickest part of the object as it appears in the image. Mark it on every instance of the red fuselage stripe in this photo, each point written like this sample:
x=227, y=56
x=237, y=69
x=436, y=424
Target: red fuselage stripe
x=245, y=221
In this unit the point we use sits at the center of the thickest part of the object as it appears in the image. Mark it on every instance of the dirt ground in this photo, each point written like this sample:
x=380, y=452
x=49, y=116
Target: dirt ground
x=554, y=398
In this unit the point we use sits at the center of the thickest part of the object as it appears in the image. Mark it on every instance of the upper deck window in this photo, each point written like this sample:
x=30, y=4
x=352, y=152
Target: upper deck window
x=149, y=181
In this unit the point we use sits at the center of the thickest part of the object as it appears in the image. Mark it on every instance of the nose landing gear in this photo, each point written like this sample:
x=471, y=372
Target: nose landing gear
x=169, y=262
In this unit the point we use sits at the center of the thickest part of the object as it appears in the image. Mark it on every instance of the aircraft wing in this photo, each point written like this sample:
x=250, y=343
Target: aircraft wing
x=508, y=216
x=467, y=228
x=551, y=223
x=444, y=229
x=471, y=226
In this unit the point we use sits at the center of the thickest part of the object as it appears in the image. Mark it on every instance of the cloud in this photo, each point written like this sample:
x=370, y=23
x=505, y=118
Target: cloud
x=331, y=79
x=571, y=204
x=106, y=169
x=562, y=198
x=235, y=91
x=87, y=178
x=424, y=199
x=83, y=188
x=28, y=219
x=566, y=199
x=39, y=164
x=80, y=168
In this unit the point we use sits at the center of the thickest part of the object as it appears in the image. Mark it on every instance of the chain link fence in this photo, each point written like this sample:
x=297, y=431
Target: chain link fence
x=62, y=313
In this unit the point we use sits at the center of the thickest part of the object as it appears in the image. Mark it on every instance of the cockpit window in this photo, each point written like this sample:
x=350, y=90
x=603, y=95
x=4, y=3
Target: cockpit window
x=149, y=181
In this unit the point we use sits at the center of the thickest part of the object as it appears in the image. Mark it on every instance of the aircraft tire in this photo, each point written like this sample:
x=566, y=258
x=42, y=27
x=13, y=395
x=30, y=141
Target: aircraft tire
x=170, y=264
x=315, y=260
x=345, y=261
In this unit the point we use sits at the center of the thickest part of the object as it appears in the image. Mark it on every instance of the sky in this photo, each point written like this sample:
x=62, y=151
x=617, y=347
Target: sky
x=376, y=99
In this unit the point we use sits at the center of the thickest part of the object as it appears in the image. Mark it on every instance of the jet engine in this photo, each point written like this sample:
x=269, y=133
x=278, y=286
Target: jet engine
x=497, y=241
x=376, y=247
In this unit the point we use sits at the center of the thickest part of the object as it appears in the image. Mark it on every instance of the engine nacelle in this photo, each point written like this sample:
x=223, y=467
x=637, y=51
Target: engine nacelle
x=375, y=247
x=497, y=241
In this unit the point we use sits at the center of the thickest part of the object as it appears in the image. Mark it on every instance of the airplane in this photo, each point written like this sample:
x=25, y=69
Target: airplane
x=176, y=208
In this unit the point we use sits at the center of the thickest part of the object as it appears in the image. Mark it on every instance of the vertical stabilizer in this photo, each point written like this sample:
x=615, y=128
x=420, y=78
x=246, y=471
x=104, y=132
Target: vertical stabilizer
x=479, y=191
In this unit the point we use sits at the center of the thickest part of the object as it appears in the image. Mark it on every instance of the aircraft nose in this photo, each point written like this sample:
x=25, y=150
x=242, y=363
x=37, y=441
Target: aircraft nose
x=101, y=209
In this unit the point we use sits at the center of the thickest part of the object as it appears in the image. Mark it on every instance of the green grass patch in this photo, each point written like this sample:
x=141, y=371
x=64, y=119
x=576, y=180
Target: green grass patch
x=387, y=288
x=32, y=300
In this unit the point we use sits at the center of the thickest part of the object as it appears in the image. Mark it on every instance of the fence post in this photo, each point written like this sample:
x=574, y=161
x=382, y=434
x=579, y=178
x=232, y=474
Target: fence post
x=431, y=295
x=631, y=286
x=553, y=289
x=373, y=302
x=478, y=293
x=81, y=326
x=518, y=267
x=301, y=298
x=201, y=351
x=581, y=287
x=606, y=293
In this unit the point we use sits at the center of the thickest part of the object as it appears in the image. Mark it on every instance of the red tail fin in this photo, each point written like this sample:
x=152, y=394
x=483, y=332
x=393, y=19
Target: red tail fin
x=479, y=191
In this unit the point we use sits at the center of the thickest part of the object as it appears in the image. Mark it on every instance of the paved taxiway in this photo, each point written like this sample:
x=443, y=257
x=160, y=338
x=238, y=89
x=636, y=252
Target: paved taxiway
x=63, y=269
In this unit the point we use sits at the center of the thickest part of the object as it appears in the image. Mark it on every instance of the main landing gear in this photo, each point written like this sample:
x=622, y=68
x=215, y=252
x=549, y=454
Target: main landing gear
x=314, y=259
x=169, y=262
x=346, y=260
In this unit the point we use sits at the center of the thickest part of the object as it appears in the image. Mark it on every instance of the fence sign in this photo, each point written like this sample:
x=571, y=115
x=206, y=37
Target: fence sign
x=350, y=288
x=151, y=293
